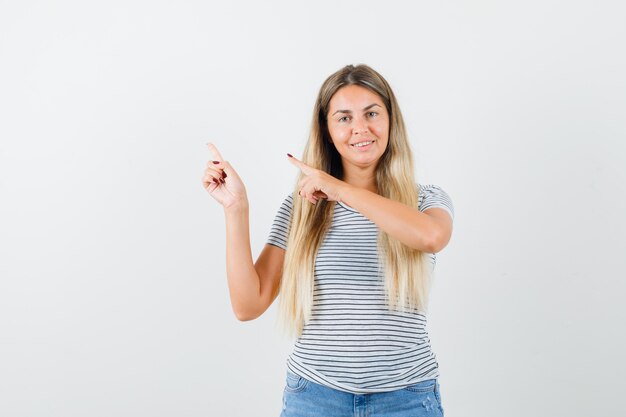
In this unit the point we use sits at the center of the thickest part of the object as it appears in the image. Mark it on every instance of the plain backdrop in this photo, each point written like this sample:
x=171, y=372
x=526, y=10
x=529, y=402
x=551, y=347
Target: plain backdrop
x=113, y=292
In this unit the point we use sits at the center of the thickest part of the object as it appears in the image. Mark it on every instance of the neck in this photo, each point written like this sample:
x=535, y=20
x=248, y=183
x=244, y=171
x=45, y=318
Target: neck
x=367, y=182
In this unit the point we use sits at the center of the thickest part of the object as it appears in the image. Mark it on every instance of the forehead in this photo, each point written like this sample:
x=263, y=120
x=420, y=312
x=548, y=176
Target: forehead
x=353, y=97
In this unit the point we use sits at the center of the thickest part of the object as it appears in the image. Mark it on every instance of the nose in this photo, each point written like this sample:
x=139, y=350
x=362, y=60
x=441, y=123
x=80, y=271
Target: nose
x=360, y=127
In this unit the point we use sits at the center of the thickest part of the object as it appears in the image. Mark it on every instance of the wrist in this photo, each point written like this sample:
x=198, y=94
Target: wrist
x=344, y=191
x=237, y=208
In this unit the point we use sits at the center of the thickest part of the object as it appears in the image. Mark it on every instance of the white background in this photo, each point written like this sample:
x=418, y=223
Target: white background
x=113, y=294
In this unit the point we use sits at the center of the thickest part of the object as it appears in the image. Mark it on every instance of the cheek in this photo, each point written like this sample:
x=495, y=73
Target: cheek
x=339, y=134
x=381, y=130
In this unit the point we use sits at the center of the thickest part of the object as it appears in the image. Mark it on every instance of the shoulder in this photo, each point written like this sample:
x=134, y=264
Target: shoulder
x=429, y=189
x=431, y=195
x=286, y=205
x=288, y=201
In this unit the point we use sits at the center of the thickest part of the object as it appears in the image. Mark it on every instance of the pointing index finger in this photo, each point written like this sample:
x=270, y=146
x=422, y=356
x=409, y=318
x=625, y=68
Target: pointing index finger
x=215, y=152
x=304, y=167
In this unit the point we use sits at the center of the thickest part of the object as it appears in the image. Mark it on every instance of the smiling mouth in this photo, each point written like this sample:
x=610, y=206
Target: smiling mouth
x=361, y=144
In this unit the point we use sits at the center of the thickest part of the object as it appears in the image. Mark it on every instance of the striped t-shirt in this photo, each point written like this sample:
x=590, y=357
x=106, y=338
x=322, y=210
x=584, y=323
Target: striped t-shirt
x=353, y=343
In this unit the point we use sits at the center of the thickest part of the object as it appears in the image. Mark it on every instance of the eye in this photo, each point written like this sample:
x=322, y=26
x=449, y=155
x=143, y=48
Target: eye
x=342, y=118
x=373, y=113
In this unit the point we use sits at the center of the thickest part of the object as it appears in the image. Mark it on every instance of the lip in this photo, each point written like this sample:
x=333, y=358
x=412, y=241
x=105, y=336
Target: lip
x=364, y=148
x=366, y=140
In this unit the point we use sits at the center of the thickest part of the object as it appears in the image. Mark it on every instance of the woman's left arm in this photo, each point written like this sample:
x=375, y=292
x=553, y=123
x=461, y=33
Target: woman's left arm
x=427, y=231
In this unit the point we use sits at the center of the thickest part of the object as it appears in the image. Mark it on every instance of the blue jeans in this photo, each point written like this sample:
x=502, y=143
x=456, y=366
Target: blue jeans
x=304, y=398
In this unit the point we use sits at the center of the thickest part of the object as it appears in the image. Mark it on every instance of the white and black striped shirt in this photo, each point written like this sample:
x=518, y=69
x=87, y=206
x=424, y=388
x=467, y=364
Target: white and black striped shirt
x=353, y=343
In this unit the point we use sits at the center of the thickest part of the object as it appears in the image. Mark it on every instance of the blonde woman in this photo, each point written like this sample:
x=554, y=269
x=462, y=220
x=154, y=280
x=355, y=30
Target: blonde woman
x=351, y=253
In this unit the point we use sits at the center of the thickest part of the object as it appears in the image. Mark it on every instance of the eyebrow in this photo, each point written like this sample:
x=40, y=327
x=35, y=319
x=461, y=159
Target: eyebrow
x=350, y=111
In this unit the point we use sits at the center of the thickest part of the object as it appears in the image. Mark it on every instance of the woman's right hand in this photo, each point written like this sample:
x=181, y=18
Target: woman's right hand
x=222, y=182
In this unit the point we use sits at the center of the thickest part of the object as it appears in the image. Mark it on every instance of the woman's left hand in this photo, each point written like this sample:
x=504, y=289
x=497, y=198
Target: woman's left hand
x=318, y=184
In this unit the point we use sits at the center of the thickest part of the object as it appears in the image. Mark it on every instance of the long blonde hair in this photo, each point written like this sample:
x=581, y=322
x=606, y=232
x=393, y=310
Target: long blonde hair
x=407, y=271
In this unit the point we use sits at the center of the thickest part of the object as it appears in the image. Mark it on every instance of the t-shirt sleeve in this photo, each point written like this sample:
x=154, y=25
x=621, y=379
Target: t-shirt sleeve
x=431, y=196
x=280, y=225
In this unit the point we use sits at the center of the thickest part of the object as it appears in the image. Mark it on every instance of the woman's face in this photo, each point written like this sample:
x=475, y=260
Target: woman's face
x=358, y=115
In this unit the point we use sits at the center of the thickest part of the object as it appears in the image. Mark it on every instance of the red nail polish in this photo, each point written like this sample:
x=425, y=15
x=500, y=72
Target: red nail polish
x=224, y=174
x=216, y=181
x=216, y=162
x=289, y=155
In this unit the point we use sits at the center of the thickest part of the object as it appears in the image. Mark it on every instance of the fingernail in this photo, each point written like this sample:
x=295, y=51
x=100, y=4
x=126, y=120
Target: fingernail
x=215, y=181
x=289, y=155
x=224, y=174
x=216, y=162
x=222, y=180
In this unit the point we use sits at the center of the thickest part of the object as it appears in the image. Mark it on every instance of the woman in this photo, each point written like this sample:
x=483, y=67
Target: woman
x=351, y=253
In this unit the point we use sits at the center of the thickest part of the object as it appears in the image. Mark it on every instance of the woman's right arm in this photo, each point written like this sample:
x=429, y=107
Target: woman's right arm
x=252, y=288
